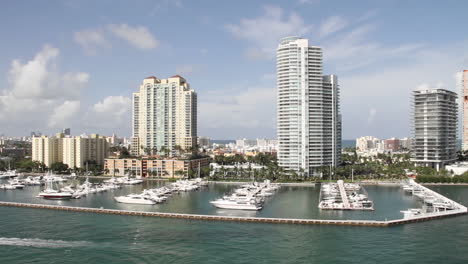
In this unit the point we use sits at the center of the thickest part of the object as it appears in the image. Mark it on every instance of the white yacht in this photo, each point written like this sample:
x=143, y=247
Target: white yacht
x=238, y=204
x=7, y=187
x=134, y=199
x=18, y=184
x=9, y=174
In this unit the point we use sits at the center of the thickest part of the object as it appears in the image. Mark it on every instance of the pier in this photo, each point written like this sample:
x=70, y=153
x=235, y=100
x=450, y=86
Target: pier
x=370, y=223
x=438, y=204
x=341, y=196
x=344, y=195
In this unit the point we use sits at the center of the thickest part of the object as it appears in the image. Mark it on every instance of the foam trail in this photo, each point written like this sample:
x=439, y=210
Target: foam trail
x=41, y=243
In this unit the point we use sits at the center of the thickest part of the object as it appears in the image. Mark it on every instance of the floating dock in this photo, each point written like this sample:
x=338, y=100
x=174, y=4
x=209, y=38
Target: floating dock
x=335, y=196
x=370, y=223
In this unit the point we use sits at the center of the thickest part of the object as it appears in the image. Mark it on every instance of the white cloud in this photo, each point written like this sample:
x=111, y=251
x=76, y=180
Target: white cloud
x=371, y=116
x=138, y=36
x=332, y=25
x=388, y=90
x=36, y=88
x=233, y=113
x=355, y=49
x=63, y=115
x=91, y=40
x=308, y=2
x=110, y=113
x=264, y=32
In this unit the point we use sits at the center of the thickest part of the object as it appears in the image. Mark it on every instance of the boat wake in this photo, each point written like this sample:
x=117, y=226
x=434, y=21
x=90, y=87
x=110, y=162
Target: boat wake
x=41, y=243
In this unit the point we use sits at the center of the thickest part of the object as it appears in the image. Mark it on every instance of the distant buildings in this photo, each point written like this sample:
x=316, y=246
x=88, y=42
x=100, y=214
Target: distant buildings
x=434, y=128
x=370, y=145
x=204, y=142
x=73, y=151
x=115, y=141
x=164, y=116
x=66, y=131
x=245, y=143
x=161, y=168
x=465, y=109
x=308, y=115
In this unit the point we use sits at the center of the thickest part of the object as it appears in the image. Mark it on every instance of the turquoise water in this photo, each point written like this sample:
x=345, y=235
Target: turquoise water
x=44, y=236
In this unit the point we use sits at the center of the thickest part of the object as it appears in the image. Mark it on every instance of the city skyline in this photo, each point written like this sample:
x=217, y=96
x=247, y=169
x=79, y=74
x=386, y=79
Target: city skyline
x=82, y=76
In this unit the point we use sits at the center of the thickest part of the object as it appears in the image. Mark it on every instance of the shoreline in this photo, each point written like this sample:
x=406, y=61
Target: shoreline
x=364, y=182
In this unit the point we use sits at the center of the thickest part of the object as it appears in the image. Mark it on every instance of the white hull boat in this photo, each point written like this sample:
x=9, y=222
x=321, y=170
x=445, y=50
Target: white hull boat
x=134, y=199
x=236, y=205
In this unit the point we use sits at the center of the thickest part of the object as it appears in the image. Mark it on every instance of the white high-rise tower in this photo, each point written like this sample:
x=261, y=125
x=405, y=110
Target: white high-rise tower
x=309, y=119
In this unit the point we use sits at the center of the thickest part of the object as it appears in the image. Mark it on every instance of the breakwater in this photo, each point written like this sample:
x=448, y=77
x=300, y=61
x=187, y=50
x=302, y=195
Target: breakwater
x=371, y=223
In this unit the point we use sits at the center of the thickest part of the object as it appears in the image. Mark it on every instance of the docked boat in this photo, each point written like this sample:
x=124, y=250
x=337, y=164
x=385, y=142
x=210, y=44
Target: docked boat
x=50, y=193
x=412, y=212
x=9, y=174
x=237, y=204
x=7, y=187
x=18, y=184
x=134, y=199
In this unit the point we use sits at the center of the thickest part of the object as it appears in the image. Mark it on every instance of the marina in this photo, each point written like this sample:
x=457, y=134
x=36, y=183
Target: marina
x=38, y=234
x=197, y=205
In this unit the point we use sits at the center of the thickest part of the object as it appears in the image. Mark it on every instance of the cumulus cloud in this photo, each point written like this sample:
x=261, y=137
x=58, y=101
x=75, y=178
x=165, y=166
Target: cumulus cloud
x=63, y=115
x=265, y=31
x=138, y=36
x=110, y=113
x=36, y=87
x=91, y=40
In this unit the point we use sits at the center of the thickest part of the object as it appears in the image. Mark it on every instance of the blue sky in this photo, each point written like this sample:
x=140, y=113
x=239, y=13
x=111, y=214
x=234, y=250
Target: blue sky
x=76, y=63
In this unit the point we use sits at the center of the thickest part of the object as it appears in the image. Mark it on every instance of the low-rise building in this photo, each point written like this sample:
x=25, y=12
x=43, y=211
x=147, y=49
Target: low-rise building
x=457, y=168
x=204, y=142
x=150, y=167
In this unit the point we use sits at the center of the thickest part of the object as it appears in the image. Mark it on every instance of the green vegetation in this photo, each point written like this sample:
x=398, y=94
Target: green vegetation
x=59, y=167
x=443, y=179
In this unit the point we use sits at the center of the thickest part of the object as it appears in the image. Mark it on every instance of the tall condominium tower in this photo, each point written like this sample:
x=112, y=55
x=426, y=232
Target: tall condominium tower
x=434, y=128
x=164, y=116
x=308, y=118
x=465, y=109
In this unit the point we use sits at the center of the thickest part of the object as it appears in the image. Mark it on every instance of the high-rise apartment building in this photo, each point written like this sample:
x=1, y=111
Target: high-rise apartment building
x=465, y=109
x=77, y=151
x=308, y=118
x=164, y=115
x=434, y=127
x=48, y=150
x=73, y=151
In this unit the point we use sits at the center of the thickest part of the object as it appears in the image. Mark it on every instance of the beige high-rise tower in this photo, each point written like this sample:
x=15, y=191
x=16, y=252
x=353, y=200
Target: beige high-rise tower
x=465, y=109
x=164, y=116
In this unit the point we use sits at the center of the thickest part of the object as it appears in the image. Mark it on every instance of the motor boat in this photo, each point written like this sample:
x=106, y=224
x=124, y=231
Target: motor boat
x=18, y=184
x=237, y=204
x=7, y=187
x=134, y=199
